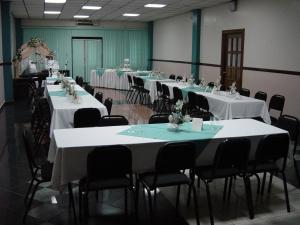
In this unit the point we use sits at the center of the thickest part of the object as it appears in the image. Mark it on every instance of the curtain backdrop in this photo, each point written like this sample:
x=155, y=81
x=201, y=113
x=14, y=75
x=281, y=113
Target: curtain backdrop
x=117, y=44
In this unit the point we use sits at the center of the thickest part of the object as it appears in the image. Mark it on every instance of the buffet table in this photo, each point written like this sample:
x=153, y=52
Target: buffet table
x=69, y=147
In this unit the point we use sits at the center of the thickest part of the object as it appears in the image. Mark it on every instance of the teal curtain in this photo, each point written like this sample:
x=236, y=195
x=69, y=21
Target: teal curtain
x=78, y=57
x=118, y=44
x=93, y=53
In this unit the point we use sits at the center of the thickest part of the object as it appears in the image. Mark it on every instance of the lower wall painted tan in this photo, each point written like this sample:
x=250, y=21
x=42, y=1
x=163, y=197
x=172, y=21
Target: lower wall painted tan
x=271, y=83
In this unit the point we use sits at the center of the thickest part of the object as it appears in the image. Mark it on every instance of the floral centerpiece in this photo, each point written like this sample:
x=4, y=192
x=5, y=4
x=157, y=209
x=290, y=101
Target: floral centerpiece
x=233, y=88
x=217, y=84
x=191, y=81
x=176, y=118
x=202, y=82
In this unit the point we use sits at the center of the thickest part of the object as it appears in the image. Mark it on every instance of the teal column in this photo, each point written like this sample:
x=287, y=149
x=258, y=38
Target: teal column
x=19, y=33
x=6, y=49
x=150, y=45
x=196, y=43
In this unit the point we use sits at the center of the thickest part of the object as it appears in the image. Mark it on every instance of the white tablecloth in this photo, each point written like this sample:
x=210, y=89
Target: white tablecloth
x=69, y=147
x=109, y=79
x=63, y=109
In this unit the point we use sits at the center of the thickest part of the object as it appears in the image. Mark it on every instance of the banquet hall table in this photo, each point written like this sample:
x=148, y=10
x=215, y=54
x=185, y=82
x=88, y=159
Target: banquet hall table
x=63, y=108
x=225, y=106
x=69, y=147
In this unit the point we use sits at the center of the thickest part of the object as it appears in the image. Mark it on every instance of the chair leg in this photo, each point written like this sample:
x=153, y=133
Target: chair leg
x=198, y=185
x=229, y=189
x=263, y=184
x=209, y=203
x=270, y=183
x=137, y=188
x=27, y=207
x=296, y=170
x=79, y=202
x=177, y=197
x=258, y=183
x=71, y=199
x=196, y=204
x=249, y=196
x=286, y=192
x=225, y=189
x=28, y=191
x=125, y=202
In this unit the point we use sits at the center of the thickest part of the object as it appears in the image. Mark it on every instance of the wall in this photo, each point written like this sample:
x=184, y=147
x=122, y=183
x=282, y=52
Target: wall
x=1, y=68
x=172, y=40
x=272, y=34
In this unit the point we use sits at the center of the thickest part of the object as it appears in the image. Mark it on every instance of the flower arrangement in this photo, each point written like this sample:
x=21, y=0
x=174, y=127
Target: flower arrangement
x=191, y=81
x=35, y=42
x=218, y=83
x=233, y=88
x=202, y=82
x=176, y=118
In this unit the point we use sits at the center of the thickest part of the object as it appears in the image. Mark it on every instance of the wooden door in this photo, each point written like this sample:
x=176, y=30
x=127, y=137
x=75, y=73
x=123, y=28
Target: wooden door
x=232, y=57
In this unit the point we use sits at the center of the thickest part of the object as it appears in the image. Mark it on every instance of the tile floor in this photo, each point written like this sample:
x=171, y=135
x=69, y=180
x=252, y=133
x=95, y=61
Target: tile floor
x=50, y=207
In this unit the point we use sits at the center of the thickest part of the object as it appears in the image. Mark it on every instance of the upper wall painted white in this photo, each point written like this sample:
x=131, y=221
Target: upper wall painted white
x=1, y=68
x=172, y=38
x=272, y=32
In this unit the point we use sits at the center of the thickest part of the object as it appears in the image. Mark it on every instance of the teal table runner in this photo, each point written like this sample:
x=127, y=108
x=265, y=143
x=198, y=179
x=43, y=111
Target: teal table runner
x=186, y=90
x=63, y=93
x=120, y=73
x=100, y=71
x=163, y=132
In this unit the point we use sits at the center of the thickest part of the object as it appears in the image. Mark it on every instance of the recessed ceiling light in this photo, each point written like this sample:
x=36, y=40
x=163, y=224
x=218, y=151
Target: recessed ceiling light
x=55, y=1
x=131, y=14
x=90, y=7
x=52, y=12
x=81, y=16
x=155, y=5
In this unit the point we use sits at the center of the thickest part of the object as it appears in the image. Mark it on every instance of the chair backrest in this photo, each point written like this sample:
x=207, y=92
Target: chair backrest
x=158, y=87
x=89, y=89
x=277, y=103
x=172, y=76
x=159, y=118
x=177, y=94
x=109, y=162
x=99, y=96
x=232, y=154
x=261, y=95
x=192, y=98
x=244, y=92
x=87, y=117
x=211, y=84
x=140, y=82
x=197, y=113
x=165, y=89
x=202, y=102
x=108, y=104
x=113, y=120
x=80, y=81
x=174, y=157
x=135, y=80
x=76, y=79
x=272, y=148
x=179, y=78
x=57, y=82
x=129, y=80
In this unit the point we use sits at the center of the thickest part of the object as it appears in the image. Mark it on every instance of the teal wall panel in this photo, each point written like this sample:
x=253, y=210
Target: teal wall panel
x=150, y=45
x=117, y=44
x=196, y=42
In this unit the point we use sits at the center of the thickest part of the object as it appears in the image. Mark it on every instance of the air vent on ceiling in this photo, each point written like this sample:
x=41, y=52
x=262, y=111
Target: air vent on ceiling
x=84, y=23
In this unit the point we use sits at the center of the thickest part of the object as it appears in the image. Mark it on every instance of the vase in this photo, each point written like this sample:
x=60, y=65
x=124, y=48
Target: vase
x=174, y=127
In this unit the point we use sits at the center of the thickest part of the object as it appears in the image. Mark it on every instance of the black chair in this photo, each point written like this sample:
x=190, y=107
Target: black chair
x=230, y=160
x=87, y=117
x=99, y=96
x=113, y=120
x=271, y=149
x=261, y=95
x=108, y=167
x=77, y=79
x=244, y=92
x=172, y=158
x=179, y=78
x=166, y=106
x=131, y=87
x=143, y=93
x=80, y=81
x=211, y=84
x=292, y=125
x=159, y=100
x=108, y=104
x=41, y=172
x=192, y=98
x=159, y=118
x=89, y=89
x=57, y=82
x=172, y=76
x=276, y=103
x=177, y=94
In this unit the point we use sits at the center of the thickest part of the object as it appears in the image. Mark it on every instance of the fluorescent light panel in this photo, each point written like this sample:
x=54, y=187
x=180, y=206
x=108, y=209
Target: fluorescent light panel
x=131, y=14
x=91, y=7
x=52, y=12
x=155, y=5
x=81, y=16
x=55, y=1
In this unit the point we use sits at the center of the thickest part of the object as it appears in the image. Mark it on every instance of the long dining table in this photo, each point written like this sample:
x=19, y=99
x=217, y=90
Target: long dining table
x=69, y=147
x=63, y=108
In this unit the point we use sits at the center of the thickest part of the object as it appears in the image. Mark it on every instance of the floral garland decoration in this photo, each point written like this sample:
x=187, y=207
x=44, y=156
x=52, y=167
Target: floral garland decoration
x=35, y=42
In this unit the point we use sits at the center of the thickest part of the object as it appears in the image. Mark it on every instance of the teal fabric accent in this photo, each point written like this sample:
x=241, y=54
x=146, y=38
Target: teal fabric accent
x=186, y=90
x=6, y=50
x=99, y=72
x=150, y=45
x=196, y=42
x=163, y=132
x=63, y=93
x=120, y=73
x=118, y=44
x=141, y=74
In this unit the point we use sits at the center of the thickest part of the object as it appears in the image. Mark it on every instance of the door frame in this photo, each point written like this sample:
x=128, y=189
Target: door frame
x=86, y=38
x=223, y=57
